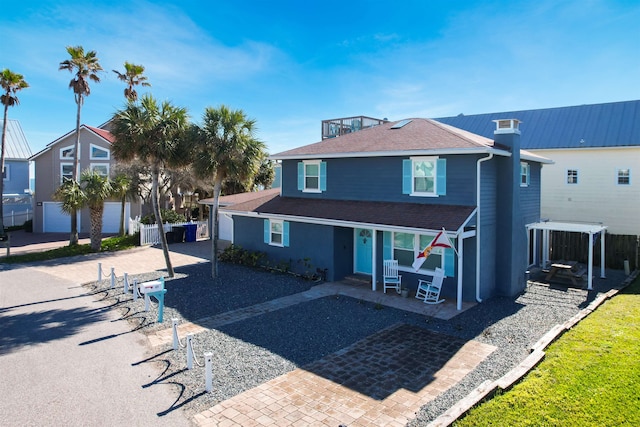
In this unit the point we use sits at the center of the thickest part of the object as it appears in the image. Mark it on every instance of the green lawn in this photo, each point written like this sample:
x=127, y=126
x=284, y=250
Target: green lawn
x=589, y=377
x=109, y=244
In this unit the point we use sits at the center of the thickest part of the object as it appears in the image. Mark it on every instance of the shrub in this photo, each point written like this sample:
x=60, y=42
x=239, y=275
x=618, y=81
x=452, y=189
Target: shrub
x=167, y=216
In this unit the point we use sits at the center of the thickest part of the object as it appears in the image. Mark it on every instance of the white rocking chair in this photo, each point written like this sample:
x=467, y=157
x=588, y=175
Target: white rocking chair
x=391, y=278
x=429, y=291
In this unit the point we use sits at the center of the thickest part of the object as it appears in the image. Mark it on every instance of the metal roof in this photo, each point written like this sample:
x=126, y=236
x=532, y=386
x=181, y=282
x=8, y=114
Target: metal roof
x=615, y=124
x=16, y=145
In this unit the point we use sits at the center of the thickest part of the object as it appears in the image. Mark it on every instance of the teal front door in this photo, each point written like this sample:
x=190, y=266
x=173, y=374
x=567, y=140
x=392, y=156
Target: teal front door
x=364, y=250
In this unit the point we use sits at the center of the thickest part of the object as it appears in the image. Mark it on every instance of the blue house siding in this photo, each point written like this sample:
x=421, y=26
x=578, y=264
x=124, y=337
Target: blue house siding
x=530, y=195
x=380, y=179
x=18, y=177
x=248, y=233
x=488, y=221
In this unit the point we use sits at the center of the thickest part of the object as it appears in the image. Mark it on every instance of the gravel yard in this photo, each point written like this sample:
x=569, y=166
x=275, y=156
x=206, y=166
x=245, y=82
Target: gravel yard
x=252, y=351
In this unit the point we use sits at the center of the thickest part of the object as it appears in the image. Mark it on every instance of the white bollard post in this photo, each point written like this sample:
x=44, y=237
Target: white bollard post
x=174, y=323
x=208, y=372
x=99, y=272
x=113, y=278
x=189, y=352
x=126, y=284
x=147, y=299
x=135, y=289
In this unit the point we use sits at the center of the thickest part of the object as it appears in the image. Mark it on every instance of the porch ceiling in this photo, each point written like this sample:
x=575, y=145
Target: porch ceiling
x=409, y=215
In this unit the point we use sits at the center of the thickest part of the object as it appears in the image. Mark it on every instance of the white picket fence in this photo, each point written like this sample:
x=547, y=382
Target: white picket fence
x=149, y=233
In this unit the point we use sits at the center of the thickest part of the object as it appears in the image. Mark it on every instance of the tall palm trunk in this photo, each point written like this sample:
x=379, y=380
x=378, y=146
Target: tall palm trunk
x=155, y=201
x=214, y=224
x=73, y=238
x=122, y=212
x=96, y=228
x=4, y=137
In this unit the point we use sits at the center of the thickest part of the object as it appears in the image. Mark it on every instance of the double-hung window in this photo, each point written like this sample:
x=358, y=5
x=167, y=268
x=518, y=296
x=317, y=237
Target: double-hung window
x=525, y=174
x=404, y=247
x=424, y=176
x=624, y=177
x=312, y=176
x=66, y=172
x=276, y=232
x=572, y=176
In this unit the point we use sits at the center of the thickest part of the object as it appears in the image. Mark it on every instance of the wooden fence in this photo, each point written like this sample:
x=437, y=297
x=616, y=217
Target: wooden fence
x=575, y=246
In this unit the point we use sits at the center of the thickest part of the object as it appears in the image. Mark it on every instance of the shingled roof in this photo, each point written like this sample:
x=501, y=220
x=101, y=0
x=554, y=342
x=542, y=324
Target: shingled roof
x=406, y=215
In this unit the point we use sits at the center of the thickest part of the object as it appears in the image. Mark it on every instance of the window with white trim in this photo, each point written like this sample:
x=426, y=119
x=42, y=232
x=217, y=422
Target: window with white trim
x=572, y=176
x=99, y=153
x=624, y=177
x=406, y=247
x=5, y=173
x=312, y=176
x=100, y=168
x=276, y=232
x=525, y=174
x=67, y=152
x=66, y=172
x=424, y=176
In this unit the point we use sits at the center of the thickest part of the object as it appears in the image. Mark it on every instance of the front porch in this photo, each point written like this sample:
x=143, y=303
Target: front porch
x=359, y=286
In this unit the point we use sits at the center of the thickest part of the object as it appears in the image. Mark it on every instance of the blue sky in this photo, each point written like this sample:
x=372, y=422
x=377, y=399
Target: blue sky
x=291, y=64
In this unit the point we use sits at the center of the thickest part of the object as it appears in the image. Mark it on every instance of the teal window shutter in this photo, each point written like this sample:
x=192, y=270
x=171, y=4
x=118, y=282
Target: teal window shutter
x=441, y=183
x=386, y=245
x=323, y=176
x=267, y=231
x=407, y=166
x=300, y=176
x=285, y=233
x=449, y=262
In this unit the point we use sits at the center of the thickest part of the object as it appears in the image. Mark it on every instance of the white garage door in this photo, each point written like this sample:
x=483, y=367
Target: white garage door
x=54, y=220
x=111, y=217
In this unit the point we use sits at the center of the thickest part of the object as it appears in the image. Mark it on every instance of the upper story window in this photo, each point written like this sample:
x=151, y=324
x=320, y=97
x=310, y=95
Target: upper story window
x=101, y=168
x=99, y=153
x=572, y=176
x=624, y=176
x=312, y=176
x=276, y=232
x=66, y=172
x=424, y=176
x=525, y=174
x=67, y=152
x=5, y=173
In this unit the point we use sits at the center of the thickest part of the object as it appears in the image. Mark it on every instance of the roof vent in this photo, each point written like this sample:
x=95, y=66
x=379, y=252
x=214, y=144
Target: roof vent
x=401, y=123
x=507, y=126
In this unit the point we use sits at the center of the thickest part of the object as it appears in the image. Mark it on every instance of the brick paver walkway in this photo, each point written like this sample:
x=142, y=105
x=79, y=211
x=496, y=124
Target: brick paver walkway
x=381, y=380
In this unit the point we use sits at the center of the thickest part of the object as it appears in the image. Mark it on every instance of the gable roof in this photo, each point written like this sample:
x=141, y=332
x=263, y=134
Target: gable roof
x=414, y=216
x=16, y=145
x=102, y=133
x=234, y=199
x=615, y=124
x=416, y=137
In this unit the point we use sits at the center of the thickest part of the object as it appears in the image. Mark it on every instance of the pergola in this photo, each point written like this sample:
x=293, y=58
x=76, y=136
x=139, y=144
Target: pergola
x=591, y=229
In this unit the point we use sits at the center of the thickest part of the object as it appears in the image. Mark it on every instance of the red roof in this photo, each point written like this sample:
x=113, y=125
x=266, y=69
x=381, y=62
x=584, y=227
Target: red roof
x=416, y=135
x=409, y=215
x=103, y=133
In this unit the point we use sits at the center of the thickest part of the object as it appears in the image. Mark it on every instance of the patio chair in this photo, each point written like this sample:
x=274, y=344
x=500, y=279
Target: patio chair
x=391, y=278
x=429, y=291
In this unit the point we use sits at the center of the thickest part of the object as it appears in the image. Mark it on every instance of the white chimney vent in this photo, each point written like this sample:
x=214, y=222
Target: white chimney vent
x=507, y=126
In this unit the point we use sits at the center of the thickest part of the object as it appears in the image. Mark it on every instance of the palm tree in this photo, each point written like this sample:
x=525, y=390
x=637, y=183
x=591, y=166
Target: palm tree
x=11, y=83
x=132, y=76
x=153, y=134
x=96, y=188
x=226, y=148
x=85, y=67
x=123, y=189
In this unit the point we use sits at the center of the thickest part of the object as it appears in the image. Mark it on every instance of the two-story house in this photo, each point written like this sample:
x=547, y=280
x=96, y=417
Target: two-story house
x=349, y=202
x=16, y=193
x=596, y=153
x=54, y=163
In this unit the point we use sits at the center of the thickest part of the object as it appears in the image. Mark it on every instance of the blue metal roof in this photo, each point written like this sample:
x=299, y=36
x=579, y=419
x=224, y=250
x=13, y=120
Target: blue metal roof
x=16, y=146
x=615, y=124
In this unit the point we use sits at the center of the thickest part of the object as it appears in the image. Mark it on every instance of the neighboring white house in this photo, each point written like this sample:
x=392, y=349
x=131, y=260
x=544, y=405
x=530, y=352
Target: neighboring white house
x=596, y=153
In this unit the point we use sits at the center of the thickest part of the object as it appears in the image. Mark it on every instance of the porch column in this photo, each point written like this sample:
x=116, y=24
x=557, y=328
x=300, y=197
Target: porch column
x=603, y=233
x=460, y=268
x=590, y=267
x=374, y=241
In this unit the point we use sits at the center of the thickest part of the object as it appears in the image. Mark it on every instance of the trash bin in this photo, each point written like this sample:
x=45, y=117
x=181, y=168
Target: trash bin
x=178, y=234
x=169, y=235
x=190, y=232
